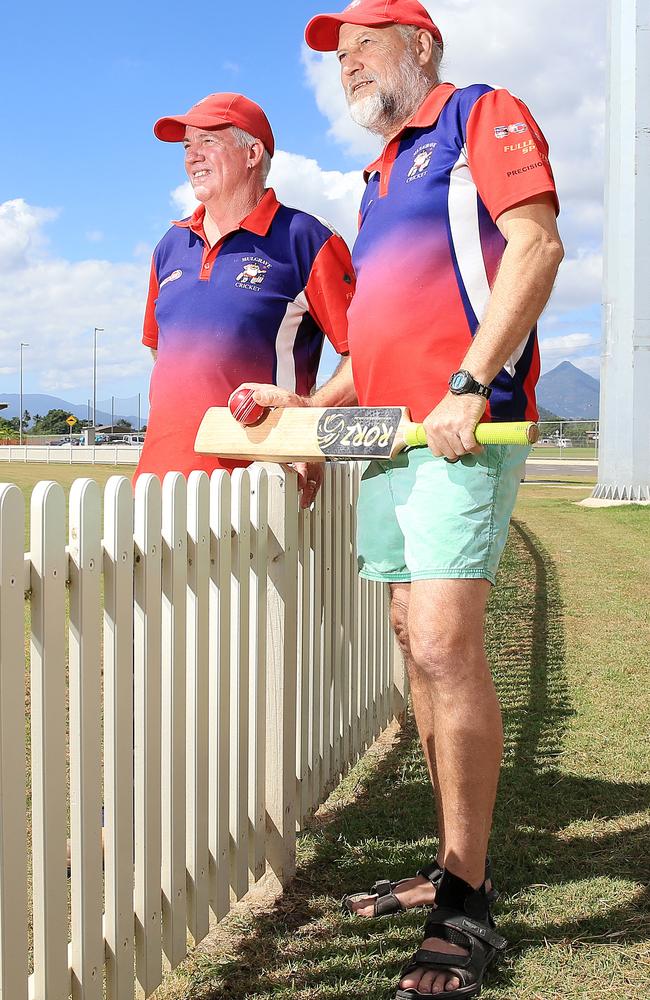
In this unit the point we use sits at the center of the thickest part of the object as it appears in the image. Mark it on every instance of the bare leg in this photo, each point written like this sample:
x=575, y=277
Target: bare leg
x=445, y=632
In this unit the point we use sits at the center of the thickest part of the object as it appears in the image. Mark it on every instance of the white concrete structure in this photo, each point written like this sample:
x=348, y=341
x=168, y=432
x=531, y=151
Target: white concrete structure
x=624, y=469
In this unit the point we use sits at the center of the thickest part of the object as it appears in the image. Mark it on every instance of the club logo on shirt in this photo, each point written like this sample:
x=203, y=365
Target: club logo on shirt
x=421, y=160
x=503, y=131
x=253, y=273
x=174, y=276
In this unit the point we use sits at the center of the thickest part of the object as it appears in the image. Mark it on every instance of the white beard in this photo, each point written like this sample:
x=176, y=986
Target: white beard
x=396, y=98
x=368, y=111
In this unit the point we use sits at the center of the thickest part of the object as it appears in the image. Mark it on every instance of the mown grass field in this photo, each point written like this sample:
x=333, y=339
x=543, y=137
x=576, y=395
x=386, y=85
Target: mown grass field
x=568, y=635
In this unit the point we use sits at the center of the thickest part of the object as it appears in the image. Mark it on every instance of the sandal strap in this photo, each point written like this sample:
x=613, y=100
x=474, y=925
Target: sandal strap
x=381, y=888
x=432, y=872
x=462, y=930
x=426, y=957
x=387, y=904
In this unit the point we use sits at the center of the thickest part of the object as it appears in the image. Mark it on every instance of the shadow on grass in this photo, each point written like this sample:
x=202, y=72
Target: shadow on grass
x=304, y=948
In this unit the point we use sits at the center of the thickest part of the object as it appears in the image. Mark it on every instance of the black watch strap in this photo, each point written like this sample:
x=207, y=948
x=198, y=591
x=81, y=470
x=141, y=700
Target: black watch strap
x=463, y=382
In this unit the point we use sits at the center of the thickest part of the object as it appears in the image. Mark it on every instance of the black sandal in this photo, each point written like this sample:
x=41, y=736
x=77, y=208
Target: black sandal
x=462, y=916
x=388, y=903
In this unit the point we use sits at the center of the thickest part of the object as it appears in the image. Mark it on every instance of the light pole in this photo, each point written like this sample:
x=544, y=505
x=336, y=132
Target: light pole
x=98, y=329
x=20, y=415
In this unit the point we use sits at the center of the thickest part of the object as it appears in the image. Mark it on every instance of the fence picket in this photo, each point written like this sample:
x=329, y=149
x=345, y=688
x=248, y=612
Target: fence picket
x=198, y=522
x=13, y=803
x=85, y=548
x=239, y=683
x=118, y=738
x=51, y=979
x=174, y=617
x=303, y=792
x=281, y=675
x=316, y=583
x=337, y=627
x=219, y=652
x=346, y=590
x=326, y=633
x=353, y=639
x=259, y=492
x=147, y=731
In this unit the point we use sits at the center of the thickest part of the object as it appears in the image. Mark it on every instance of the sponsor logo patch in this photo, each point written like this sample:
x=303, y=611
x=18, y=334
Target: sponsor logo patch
x=521, y=147
x=503, y=131
x=421, y=160
x=253, y=273
x=174, y=276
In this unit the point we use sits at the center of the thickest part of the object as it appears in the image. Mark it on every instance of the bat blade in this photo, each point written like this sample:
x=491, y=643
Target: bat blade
x=311, y=434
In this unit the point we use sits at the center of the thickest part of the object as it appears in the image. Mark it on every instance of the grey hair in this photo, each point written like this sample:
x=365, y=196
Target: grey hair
x=408, y=32
x=245, y=139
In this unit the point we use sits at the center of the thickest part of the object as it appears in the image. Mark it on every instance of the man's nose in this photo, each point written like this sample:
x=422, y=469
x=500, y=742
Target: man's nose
x=193, y=153
x=353, y=65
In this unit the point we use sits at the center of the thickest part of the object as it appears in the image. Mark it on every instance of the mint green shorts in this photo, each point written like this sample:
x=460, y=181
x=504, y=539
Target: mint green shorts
x=422, y=518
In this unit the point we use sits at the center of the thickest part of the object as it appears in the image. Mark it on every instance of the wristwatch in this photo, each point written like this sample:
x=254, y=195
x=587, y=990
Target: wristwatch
x=462, y=382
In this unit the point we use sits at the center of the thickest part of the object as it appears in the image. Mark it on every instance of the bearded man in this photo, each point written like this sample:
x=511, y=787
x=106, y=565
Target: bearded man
x=456, y=257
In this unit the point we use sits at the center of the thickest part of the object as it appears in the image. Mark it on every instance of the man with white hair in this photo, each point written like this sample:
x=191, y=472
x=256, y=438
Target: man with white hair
x=246, y=288
x=455, y=259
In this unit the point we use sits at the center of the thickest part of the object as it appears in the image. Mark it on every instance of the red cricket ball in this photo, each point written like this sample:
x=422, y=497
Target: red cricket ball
x=244, y=408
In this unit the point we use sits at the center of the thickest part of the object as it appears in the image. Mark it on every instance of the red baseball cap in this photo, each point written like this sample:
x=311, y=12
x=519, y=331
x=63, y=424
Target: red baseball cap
x=322, y=31
x=219, y=111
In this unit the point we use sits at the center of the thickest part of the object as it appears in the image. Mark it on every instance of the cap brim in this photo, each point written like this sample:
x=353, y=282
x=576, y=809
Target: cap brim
x=322, y=32
x=173, y=129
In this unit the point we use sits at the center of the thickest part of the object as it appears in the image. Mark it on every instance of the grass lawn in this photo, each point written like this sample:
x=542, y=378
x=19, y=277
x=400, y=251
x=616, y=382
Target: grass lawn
x=27, y=474
x=568, y=635
x=552, y=453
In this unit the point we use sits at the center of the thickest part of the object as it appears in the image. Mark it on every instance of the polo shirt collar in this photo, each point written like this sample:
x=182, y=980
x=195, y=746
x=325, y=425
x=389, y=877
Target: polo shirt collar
x=426, y=116
x=258, y=221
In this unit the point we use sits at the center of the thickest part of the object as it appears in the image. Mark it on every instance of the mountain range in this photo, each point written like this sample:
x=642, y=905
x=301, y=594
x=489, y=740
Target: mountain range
x=566, y=392
x=35, y=403
x=569, y=393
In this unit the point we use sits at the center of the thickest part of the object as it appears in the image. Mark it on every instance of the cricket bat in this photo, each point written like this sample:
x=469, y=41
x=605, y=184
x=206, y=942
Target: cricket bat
x=309, y=434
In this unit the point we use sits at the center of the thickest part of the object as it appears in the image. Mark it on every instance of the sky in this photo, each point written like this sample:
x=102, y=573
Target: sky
x=86, y=191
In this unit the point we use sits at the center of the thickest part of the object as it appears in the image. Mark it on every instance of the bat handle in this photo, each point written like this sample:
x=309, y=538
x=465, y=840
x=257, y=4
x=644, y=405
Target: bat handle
x=524, y=432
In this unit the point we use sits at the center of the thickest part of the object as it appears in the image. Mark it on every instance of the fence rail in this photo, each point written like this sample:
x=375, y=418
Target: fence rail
x=71, y=455
x=204, y=664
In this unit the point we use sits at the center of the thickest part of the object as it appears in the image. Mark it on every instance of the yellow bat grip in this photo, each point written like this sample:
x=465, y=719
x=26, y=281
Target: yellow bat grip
x=524, y=432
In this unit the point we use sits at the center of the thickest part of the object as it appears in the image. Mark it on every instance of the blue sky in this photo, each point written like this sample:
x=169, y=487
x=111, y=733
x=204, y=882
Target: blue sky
x=86, y=190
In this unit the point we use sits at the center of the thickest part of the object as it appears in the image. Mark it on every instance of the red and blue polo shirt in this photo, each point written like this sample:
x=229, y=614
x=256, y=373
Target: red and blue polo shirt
x=428, y=249
x=253, y=308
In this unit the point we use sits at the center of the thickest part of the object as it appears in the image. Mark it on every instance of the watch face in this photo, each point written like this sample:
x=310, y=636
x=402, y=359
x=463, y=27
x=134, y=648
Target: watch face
x=459, y=381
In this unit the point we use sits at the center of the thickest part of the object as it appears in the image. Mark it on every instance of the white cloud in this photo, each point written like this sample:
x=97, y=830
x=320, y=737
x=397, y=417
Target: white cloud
x=567, y=344
x=53, y=304
x=21, y=236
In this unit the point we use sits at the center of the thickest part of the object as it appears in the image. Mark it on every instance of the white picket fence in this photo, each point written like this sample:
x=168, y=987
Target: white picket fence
x=204, y=665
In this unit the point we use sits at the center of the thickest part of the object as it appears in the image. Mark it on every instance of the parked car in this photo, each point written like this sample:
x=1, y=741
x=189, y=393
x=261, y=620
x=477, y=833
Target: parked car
x=134, y=440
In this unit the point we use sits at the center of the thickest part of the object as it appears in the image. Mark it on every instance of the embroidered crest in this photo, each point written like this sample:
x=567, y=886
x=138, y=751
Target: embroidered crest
x=421, y=161
x=253, y=273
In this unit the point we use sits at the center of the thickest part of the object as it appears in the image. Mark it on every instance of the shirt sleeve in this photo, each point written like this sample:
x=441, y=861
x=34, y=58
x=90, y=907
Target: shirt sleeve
x=507, y=153
x=150, y=327
x=330, y=289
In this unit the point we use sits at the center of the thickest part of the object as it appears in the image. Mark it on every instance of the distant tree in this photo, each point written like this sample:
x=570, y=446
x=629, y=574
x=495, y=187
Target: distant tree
x=123, y=425
x=54, y=422
x=27, y=417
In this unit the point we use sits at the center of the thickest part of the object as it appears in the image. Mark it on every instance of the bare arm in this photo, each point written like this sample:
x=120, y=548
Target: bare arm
x=338, y=391
x=154, y=353
x=521, y=290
